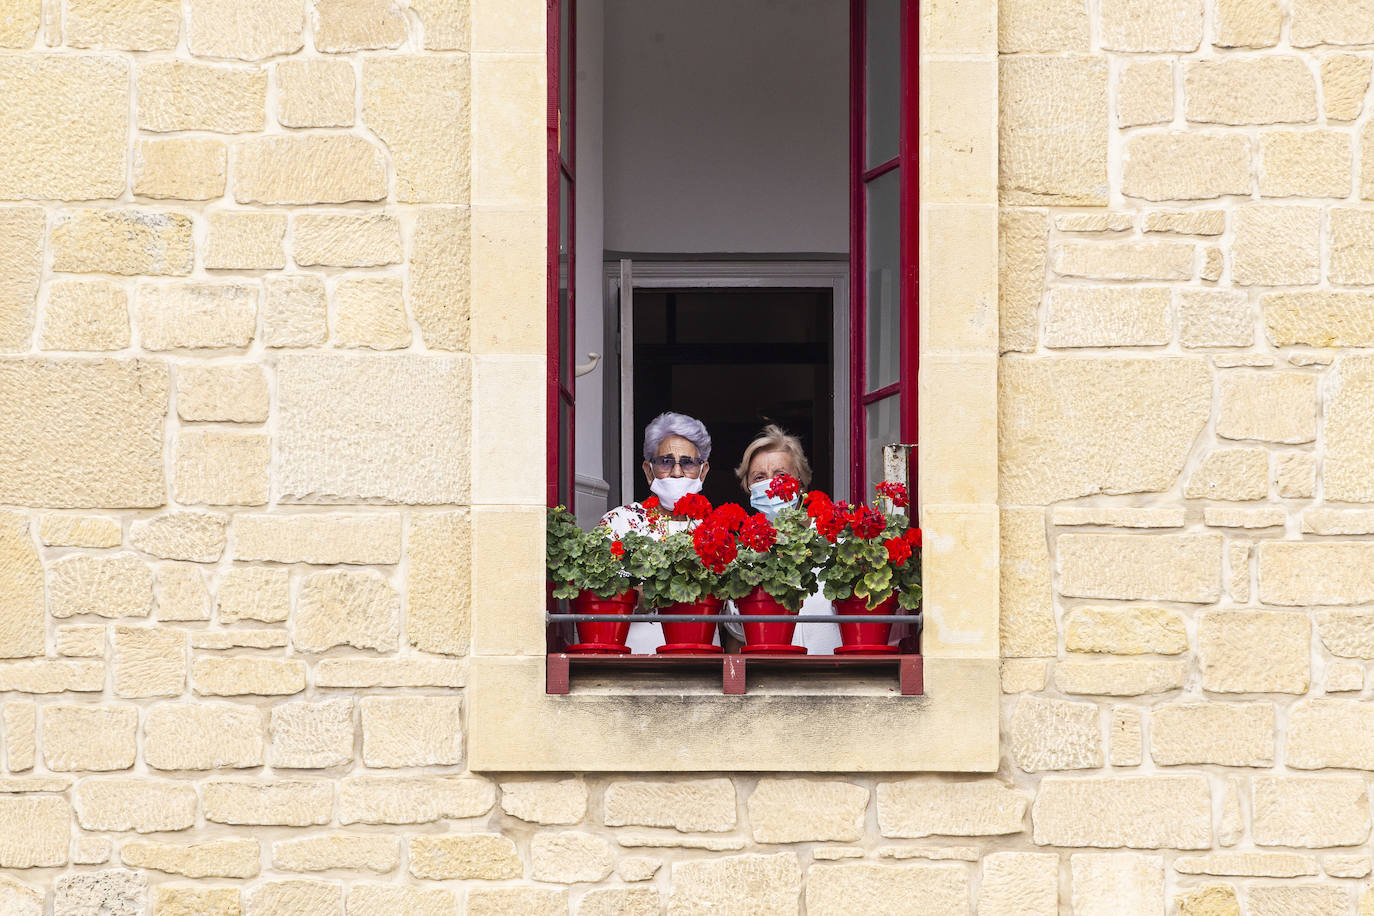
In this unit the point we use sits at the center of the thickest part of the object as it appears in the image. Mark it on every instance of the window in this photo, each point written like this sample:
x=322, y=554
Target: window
x=561, y=252
x=515, y=725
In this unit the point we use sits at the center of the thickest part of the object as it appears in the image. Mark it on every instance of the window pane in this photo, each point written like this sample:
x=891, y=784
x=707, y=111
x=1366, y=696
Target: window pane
x=882, y=76
x=882, y=298
x=564, y=452
x=565, y=330
x=564, y=73
x=883, y=427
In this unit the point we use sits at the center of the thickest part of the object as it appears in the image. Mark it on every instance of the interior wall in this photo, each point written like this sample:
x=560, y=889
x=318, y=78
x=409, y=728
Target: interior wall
x=726, y=126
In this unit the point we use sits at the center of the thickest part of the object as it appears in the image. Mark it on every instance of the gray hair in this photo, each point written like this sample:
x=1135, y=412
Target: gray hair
x=676, y=424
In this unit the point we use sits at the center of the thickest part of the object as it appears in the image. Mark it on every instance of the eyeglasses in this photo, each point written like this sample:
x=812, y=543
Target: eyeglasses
x=663, y=465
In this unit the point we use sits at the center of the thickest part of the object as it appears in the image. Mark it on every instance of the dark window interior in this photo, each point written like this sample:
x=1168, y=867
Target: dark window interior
x=737, y=359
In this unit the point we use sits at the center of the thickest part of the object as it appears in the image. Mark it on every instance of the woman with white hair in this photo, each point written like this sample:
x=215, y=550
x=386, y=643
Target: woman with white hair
x=677, y=456
x=677, y=453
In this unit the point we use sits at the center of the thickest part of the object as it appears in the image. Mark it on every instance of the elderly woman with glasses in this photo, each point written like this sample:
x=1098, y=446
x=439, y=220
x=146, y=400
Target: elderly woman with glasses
x=677, y=449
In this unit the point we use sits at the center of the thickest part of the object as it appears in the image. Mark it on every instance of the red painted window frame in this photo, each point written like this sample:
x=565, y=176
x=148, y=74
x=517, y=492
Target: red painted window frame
x=561, y=394
x=907, y=161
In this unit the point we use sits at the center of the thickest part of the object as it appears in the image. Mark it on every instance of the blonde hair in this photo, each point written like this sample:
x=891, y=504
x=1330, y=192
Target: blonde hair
x=773, y=438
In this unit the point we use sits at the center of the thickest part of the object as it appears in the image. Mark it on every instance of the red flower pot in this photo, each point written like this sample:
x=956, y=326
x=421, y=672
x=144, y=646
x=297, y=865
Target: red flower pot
x=690, y=638
x=602, y=637
x=865, y=637
x=767, y=637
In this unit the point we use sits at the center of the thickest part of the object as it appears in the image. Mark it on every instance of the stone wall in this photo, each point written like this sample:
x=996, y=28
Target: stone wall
x=272, y=317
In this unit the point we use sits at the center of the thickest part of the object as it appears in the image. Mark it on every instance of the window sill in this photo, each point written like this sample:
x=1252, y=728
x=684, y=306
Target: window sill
x=735, y=675
x=515, y=726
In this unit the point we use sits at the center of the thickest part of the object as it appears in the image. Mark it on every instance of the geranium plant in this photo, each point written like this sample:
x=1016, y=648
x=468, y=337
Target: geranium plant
x=594, y=560
x=875, y=553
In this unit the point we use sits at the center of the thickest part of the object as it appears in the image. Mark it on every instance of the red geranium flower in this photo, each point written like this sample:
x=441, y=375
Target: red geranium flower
x=758, y=534
x=914, y=536
x=650, y=503
x=898, y=550
x=866, y=522
x=728, y=516
x=692, y=505
x=714, y=546
x=895, y=492
x=817, y=503
x=831, y=520
x=783, y=486
x=617, y=549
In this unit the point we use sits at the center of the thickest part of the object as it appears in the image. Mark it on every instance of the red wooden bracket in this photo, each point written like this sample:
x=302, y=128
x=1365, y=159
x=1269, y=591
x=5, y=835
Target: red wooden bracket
x=912, y=676
x=732, y=674
x=556, y=678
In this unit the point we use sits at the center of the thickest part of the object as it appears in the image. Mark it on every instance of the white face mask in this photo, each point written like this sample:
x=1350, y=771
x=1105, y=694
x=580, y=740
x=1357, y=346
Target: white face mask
x=770, y=506
x=670, y=489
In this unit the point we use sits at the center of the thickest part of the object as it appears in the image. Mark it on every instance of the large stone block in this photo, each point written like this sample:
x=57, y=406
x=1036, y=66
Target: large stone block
x=1085, y=316
x=1336, y=22
x=371, y=312
x=438, y=612
x=563, y=802
x=197, y=315
x=1305, y=163
x=214, y=675
x=308, y=898
x=246, y=29
x=328, y=406
x=358, y=25
x=1269, y=406
x=1229, y=734
x=18, y=899
x=1117, y=884
x=142, y=805
x=211, y=859
x=365, y=899
x=315, y=93
x=85, y=315
x=108, y=585
x=66, y=126
x=1162, y=567
x=925, y=806
x=441, y=277
x=127, y=25
x=34, y=830
x=1277, y=246
x=1186, y=165
x=1019, y=884
x=236, y=392
x=20, y=25
x=1282, y=900
x=570, y=857
x=294, y=313
x=23, y=627
x=347, y=608
x=1049, y=734
x=1320, y=318
x=179, y=95
x=1119, y=677
x=1125, y=631
x=412, y=799
x=881, y=890
x=1050, y=408
x=308, y=169
x=1351, y=234
x=1053, y=130
x=419, y=106
x=1140, y=812
x=1248, y=23
x=489, y=857
x=404, y=671
x=283, y=803
x=803, y=810
x=1303, y=573
x=312, y=735
x=770, y=882
x=1027, y=610
x=130, y=242
x=347, y=239
x=353, y=852
x=149, y=661
x=244, y=240
x=21, y=264
x=1348, y=464
x=686, y=805
x=1307, y=811
x=1145, y=93
x=1347, y=634
x=1255, y=651
x=1022, y=254
x=1030, y=25
x=48, y=676
x=89, y=737
x=1147, y=25
x=106, y=893
x=190, y=900
x=324, y=539
x=1345, y=80
x=180, y=168
x=194, y=536
x=221, y=468
x=202, y=736
x=412, y=731
x=1330, y=733
x=1232, y=474
x=253, y=593
x=1250, y=90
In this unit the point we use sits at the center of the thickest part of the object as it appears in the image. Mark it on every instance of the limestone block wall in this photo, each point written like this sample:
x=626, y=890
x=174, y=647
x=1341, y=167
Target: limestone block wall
x=271, y=337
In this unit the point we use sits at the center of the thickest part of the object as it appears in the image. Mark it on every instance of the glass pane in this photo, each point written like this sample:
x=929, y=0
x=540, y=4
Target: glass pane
x=565, y=330
x=882, y=427
x=883, y=80
x=564, y=73
x=882, y=299
x=564, y=452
